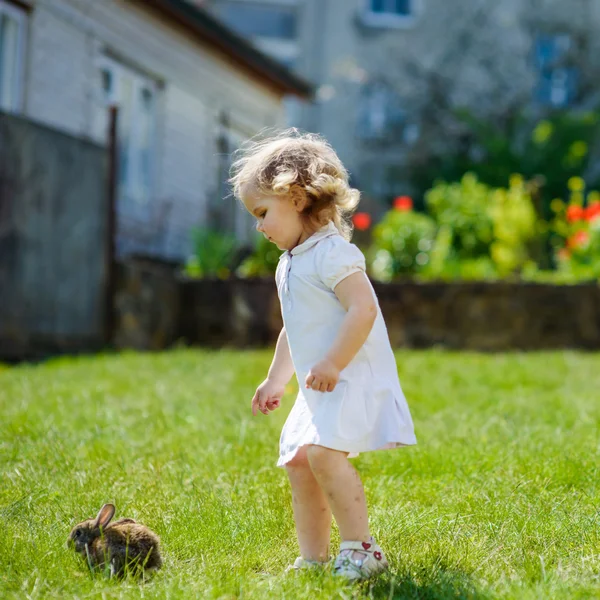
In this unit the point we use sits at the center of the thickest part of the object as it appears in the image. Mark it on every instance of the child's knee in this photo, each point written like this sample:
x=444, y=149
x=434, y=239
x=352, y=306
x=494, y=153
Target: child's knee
x=323, y=459
x=300, y=460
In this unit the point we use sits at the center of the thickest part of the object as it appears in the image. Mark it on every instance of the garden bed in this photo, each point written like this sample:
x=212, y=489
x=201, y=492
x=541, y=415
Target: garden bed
x=490, y=316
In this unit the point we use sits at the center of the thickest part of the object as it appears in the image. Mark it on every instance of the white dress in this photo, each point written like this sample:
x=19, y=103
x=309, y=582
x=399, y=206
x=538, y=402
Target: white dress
x=367, y=409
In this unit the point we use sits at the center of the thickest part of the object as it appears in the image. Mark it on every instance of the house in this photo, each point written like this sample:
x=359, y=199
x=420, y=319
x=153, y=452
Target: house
x=187, y=88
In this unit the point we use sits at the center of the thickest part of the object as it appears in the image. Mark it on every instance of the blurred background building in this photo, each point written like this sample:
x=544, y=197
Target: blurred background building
x=187, y=88
x=390, y=73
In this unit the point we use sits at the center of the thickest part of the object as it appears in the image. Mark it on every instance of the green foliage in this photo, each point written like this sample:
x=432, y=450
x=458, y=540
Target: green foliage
x=575, y=237
x=489, y=228
x=402, y=242
x=472, y=231
x=263, y=261
x=464, y=208
x=213, y=256
x=548, y=151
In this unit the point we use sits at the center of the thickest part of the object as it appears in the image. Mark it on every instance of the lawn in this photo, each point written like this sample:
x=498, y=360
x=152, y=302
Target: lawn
x=500, y=498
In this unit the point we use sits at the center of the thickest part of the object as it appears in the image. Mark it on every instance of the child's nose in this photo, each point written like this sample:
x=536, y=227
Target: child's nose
x=259, y=227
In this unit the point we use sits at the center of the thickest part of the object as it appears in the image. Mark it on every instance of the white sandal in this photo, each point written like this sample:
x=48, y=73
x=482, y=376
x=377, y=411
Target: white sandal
x=302, y=564
x=372, y=560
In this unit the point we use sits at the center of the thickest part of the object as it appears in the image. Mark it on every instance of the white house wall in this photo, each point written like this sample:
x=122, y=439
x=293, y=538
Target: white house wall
x=66, y=40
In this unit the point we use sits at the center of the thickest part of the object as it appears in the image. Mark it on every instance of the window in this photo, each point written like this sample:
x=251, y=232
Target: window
x=135, y=95
x=389, y=13
x=225, y=213
x=12, y=45
x=557, y=78
x=380, y=114
x=392, y=7
x=259, y=19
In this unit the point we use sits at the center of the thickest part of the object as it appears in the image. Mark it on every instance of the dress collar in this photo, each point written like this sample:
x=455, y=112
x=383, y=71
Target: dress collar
x=326, y=231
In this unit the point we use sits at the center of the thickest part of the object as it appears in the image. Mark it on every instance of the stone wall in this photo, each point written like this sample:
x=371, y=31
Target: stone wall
x=491, y=316
x=156, y=308
x=146, y=306
x=236, y=312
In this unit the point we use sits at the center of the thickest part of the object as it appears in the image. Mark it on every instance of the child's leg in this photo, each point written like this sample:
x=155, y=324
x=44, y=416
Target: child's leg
x=344, y=490
x=311, y=509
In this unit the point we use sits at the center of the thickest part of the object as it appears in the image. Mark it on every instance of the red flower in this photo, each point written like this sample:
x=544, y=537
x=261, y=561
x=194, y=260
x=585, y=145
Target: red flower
x=403, y=203
x=377, y=555
x=579, y=239
x=362, y=221
x=574, y=213
x=592, y=211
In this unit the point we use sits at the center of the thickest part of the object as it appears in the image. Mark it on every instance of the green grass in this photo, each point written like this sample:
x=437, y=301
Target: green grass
x=500, y=499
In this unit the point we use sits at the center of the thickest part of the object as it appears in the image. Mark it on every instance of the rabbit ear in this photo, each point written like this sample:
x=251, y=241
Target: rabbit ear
x=105, y=515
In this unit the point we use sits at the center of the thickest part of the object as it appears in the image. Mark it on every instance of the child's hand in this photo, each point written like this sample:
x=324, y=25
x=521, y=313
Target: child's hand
x=323, y=377
x=267, y=397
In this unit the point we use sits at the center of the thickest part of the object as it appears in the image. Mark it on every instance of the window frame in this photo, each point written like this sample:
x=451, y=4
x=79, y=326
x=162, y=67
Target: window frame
x=378, y=101
x=390, y=20
x=232, y=132
x=140, y=81
x=20, y=15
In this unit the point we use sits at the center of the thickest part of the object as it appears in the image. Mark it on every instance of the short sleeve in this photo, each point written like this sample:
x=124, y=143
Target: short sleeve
x=339, y=260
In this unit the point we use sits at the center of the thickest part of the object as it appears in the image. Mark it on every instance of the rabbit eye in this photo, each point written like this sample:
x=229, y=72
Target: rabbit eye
x=78, y=533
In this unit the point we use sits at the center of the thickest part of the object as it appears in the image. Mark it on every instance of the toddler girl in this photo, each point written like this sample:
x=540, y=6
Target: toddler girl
x=334, y=339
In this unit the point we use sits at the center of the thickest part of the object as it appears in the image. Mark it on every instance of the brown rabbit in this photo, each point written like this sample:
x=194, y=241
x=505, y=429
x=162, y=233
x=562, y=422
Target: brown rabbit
x=122, y=546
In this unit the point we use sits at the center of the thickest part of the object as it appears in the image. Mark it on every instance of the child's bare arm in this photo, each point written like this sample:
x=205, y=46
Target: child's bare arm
x=356, y=297
x=282, y=367
x=269, y=393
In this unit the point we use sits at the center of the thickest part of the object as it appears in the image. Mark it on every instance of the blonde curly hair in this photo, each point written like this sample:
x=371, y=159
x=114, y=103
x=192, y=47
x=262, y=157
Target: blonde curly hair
x=300, y=165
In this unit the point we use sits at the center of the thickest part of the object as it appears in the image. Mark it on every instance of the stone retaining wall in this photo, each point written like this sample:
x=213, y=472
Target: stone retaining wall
x=156, y=308
x=491, y=316
x=146, y=305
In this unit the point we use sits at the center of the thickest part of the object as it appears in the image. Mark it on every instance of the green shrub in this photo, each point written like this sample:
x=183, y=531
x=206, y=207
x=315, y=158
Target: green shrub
x=213, y=254
x=489, y=228
x=472, y=231
x=263, y=261
x=464, y=208
x=575, y=236
x=402, y=243
x=550, y=151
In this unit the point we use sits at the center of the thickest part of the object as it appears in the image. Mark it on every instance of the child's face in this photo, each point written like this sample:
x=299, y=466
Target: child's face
x=278, y=219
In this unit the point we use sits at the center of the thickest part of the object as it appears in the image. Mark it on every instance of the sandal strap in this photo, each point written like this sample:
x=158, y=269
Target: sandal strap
x=358, y=546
